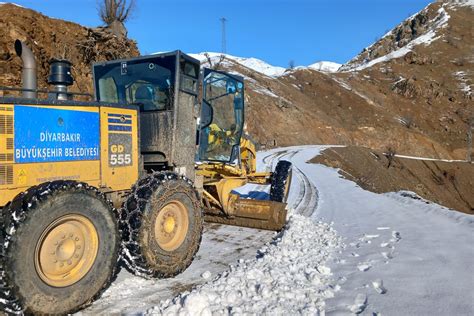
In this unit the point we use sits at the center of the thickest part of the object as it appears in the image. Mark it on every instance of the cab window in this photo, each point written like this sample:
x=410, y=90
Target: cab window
x=148, y=83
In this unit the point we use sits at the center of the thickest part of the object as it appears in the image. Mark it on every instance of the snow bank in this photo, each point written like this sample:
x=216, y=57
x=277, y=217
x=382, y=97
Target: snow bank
x=289, y=275
x=393, y=254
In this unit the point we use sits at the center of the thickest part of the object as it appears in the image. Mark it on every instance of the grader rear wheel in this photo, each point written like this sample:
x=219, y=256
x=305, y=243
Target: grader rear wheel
x=162, y=225
x=60, y=249
x=66, y=250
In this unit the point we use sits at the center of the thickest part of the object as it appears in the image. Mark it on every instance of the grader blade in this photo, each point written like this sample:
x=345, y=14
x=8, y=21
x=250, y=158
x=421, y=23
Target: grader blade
x=262, y=214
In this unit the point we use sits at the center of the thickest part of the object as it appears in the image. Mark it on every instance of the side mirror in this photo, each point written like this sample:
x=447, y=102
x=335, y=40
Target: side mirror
x=230, y=87
x=206, y=114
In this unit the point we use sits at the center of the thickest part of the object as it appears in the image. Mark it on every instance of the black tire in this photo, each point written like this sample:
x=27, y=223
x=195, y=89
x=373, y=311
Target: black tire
x=281, y=181
x=142, y=254
x=26, y=219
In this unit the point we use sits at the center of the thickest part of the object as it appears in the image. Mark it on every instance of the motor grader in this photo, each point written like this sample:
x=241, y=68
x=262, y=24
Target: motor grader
x=163, y=142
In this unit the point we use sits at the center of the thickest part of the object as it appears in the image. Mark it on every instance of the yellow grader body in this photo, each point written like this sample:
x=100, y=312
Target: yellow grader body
x=40, y=144
x=224, y=206
x=138, y=146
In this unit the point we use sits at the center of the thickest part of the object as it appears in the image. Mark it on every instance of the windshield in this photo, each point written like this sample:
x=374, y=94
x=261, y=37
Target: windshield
x=148, y=83
x=221, y=132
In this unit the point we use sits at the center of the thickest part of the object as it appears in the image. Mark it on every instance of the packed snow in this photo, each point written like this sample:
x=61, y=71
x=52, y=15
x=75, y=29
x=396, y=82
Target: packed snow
x=462, y=3
x=428, y=159
x=344, y=250
x=346, y=86
x=264, y=91
x=464, y=82
x=221, y=246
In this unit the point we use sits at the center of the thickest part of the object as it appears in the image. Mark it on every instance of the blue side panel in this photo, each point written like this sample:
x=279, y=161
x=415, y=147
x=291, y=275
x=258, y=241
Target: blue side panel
x=46, y=135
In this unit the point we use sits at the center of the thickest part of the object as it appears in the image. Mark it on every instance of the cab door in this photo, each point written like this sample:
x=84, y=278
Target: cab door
x=222, y=116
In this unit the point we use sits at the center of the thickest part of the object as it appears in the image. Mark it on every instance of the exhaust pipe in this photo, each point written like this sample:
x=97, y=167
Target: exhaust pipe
x=28, y=75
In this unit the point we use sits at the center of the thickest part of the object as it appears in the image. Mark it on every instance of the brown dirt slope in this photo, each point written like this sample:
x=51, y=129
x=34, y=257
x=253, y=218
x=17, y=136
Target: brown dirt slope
x=53, y=38
x=446, y=183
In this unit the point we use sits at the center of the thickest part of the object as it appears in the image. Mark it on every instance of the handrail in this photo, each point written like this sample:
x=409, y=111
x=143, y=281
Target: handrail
x=4, y=88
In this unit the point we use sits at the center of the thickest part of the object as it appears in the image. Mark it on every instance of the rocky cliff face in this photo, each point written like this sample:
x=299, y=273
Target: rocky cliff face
x=402, y=35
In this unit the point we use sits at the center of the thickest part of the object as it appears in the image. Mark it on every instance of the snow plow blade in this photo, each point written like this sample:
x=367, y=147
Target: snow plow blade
x=262, y=214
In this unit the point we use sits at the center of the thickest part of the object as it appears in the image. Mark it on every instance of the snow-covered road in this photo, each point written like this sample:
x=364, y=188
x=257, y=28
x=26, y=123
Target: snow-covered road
x=345, y=250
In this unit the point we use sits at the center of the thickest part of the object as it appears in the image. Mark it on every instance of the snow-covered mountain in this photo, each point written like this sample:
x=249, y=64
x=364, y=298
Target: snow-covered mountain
x=252, y=63
x=325, y=66
x=2, y=3
x=263, y=67
x=422, y=28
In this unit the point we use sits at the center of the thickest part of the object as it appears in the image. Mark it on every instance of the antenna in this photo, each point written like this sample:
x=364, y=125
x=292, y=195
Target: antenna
x=223, y=49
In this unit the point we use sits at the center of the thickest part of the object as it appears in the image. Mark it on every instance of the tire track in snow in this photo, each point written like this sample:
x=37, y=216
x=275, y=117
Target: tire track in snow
x=307, y=201
x=273, y=157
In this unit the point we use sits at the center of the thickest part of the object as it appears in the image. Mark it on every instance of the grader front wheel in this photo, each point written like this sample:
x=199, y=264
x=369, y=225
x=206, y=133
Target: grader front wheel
x=162, y=225
x=171, y=225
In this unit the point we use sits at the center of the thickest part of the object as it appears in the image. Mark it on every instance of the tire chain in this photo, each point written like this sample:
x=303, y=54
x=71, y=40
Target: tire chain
x=14, y=213
x=279, y=179
x=130, y=221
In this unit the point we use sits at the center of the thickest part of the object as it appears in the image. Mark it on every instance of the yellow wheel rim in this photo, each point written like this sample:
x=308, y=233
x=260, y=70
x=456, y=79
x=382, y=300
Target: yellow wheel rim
x=66, y=250
x=171, y=226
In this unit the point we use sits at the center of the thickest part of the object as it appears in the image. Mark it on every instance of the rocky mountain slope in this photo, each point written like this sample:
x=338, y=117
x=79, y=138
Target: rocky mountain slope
x=410, y=92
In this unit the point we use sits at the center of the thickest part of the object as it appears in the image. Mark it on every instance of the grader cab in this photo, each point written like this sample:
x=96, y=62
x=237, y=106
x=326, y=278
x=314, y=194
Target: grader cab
x=163, y=148
x=168, y=104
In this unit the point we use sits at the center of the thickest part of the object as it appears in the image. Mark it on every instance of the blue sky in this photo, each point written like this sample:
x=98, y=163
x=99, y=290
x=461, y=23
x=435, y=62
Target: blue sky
x=276, y=31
